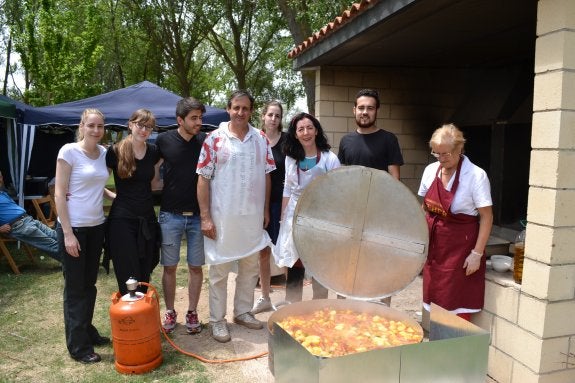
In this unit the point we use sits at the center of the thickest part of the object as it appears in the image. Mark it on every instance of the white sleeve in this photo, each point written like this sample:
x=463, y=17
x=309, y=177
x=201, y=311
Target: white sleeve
x=427, y=179
x=66, y=154
x=290, y=181
x=206, y=161
x=332, y=162
x=482, y=189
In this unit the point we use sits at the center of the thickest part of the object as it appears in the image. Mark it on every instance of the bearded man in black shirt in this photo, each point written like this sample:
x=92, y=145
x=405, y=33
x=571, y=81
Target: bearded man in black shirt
x=369, y=145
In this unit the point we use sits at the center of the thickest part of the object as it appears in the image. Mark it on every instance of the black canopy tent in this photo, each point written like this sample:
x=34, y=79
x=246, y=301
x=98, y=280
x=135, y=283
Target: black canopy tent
x=7, y=120
x=15, y=142
x=117, y=107
x=7, y=108
x=41, y=131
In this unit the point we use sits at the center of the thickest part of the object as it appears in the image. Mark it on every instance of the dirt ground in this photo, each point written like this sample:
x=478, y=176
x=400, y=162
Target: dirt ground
x=246, y=343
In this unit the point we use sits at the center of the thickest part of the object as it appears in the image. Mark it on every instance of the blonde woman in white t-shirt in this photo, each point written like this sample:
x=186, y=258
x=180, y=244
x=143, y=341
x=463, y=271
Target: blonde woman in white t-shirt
x=81, y=176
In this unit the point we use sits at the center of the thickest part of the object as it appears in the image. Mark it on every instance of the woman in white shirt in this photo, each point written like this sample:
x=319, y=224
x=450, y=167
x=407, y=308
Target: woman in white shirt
x=307, y=156
x=81, y=176
x=457, y=201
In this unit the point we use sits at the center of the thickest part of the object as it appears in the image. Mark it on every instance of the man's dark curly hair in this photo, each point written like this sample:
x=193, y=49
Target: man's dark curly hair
x=368, y=93
x=292, y=147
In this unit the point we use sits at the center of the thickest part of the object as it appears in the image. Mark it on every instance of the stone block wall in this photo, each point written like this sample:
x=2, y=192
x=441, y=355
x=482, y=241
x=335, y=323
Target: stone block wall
x=532, y=326
x=528, y=342
x=413, y=103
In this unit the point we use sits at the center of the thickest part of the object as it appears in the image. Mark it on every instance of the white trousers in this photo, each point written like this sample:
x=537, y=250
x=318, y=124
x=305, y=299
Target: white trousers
x=246, y=280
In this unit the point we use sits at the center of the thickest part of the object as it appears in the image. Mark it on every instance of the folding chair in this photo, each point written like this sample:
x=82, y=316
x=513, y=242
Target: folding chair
x=49, y=220
x=4, y=252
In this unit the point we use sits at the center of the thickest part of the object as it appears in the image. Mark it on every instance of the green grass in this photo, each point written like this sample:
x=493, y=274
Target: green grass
x=32, y=342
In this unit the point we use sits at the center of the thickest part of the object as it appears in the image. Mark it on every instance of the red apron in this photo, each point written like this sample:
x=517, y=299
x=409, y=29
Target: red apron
x=451, y=239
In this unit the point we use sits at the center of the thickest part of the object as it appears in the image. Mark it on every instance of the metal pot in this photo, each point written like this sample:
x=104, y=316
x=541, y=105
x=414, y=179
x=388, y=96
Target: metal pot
x=276, y=333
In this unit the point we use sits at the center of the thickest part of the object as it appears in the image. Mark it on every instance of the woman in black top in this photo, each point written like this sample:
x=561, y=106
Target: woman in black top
x=132, y=233
x=272, y=115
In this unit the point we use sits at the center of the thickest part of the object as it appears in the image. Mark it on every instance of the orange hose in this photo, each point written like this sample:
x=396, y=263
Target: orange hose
x=199, y=357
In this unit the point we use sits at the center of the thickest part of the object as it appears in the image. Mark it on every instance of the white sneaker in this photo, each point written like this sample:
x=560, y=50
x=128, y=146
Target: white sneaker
x=248, y=320
x=220, y=331
x=261, y=305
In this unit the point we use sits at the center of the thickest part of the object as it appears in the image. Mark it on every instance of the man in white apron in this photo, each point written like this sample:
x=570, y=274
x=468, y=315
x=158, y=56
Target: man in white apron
x=233, y=194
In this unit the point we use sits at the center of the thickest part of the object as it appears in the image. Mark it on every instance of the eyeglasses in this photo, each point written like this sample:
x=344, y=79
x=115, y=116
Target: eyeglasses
x=141, y=126
x=437, y=155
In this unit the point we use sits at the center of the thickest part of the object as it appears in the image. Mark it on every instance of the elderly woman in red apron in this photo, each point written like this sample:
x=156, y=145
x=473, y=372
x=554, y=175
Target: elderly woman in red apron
x=457, y=201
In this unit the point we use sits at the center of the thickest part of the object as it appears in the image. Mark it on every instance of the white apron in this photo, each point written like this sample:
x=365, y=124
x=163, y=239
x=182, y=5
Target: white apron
x=237, y=197
x=284, y=251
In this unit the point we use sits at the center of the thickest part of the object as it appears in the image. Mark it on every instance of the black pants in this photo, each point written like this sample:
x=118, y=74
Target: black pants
x=294, y=286
x=131, y=244
x=80, y=275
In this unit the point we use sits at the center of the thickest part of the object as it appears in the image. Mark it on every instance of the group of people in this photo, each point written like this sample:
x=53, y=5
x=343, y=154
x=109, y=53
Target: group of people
x=232, y=193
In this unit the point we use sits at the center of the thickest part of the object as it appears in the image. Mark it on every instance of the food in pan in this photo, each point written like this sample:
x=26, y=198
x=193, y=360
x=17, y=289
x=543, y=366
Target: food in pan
x=331, y=333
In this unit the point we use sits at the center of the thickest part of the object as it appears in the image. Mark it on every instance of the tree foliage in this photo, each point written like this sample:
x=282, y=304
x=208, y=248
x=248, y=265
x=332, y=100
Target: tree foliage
x=173, y=29
x=71, y=49
x=303, y=17
x=59, y=43
x=251, y=42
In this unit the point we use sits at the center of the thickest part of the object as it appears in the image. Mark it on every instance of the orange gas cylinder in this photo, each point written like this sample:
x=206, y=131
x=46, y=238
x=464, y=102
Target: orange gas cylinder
x=135, y=323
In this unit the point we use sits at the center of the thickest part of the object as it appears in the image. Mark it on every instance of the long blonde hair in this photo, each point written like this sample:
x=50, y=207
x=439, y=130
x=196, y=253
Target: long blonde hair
x=83, y=118
x=124, y=149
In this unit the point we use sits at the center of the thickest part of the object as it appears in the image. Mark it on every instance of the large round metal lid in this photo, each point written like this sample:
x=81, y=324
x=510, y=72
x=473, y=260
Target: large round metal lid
x=360, y=232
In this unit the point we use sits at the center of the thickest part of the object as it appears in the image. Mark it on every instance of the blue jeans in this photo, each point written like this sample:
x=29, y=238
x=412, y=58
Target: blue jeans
x=173, y=228
x=38, y=235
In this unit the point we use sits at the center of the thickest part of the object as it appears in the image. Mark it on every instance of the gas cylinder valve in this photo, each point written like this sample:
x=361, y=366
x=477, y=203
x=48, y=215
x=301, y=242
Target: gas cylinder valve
x=132, y=285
